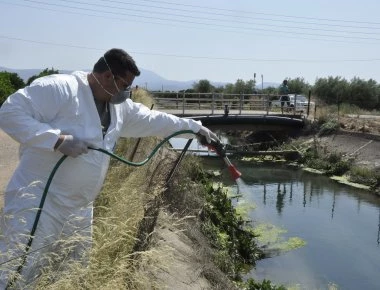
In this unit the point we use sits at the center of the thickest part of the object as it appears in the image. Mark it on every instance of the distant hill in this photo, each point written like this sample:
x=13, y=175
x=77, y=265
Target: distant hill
x=147, y=79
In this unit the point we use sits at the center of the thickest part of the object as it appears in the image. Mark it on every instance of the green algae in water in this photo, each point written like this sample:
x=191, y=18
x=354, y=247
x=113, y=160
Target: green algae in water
x=272, y=241
x=243, y=208
x=330, y=286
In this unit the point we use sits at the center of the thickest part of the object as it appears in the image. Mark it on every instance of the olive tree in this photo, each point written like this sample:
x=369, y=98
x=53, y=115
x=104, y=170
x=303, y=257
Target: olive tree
x=45, y=72
x=298, y=86
x=364, y=94
x=203, y=86
x=242, y=87
x=229, y=89
x=9, y=83
x=333, y=90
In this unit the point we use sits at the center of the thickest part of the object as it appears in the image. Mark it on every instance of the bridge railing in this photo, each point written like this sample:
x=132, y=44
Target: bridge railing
x=213, y=102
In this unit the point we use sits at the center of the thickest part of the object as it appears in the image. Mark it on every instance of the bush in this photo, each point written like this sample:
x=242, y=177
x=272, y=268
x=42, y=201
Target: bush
x=364, y=176
x=264, y=285
x=328, y=128
x=331, y=164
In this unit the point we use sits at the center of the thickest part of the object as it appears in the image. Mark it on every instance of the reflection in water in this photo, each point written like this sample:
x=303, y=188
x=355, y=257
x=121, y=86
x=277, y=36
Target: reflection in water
x=311, y=193
x=307, y=196
x=304, y=196
x=333, y=206
x=280, y=198
x=378, y=231
x=265, y=194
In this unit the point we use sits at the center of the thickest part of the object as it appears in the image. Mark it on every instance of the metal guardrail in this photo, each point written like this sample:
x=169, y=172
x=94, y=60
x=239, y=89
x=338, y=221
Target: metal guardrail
x=217, y=103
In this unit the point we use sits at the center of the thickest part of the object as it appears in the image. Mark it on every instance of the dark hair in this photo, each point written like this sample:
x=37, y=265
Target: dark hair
x=119, y=61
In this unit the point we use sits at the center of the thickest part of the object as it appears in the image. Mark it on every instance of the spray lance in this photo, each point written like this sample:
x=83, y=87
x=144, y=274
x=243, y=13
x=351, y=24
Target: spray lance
x=220, y=149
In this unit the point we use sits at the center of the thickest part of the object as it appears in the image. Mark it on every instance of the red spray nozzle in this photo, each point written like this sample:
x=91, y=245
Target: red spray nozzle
x=220, y=149
x=234, y=172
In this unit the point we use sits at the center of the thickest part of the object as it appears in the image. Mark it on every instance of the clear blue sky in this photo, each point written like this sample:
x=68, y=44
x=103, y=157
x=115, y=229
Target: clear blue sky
x=218, y=40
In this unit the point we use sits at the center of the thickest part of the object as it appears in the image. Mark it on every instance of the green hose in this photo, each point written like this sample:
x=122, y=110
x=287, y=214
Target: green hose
x=154, y=151
x=60, y=161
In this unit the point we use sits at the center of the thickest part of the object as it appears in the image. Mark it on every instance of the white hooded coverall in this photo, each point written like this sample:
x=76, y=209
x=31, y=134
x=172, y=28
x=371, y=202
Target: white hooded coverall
x=35, y=116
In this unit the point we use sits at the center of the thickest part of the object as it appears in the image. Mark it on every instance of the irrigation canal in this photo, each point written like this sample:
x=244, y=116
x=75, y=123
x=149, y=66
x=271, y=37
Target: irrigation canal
x=339, y=226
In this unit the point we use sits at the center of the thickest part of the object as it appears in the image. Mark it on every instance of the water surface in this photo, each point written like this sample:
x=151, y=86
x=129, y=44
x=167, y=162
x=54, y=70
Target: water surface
x=340, y=225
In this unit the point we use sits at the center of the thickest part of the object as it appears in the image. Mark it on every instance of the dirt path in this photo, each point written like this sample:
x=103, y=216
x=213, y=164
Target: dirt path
x=8, y=160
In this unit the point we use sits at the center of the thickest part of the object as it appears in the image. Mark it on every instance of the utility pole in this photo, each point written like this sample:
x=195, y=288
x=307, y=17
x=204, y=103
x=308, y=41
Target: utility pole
x=262, y=83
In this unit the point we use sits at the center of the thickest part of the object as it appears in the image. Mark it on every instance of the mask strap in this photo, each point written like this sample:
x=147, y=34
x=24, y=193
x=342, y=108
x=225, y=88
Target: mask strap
x=105, y=60
x=101, y=85
x=113, y=76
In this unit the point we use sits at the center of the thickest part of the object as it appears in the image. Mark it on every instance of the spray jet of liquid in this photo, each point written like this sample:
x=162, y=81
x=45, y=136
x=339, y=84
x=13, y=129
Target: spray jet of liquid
x=220, y=149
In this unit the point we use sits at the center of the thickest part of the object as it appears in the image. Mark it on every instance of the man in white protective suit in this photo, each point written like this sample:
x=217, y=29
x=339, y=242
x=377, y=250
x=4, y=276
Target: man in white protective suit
x=60, y=115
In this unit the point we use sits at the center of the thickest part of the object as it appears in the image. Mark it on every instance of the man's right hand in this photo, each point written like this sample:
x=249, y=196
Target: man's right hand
x=208, y=134
x=71, y=146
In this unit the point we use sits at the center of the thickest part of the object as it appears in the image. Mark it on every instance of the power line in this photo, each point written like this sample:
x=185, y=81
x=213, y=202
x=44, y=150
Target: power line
x=49, y=43
x=248, y=17
x=259, y=13
x=218, y=14
x=329, y=36
x=193, y=56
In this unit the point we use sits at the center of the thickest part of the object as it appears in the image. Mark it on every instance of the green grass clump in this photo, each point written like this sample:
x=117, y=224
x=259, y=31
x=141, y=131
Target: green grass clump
x=329, y=127
x=330, y=163
x=363, y=175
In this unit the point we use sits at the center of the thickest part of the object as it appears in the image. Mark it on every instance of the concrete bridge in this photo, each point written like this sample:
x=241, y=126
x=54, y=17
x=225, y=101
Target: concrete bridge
x=231, y=111
x=254, y=123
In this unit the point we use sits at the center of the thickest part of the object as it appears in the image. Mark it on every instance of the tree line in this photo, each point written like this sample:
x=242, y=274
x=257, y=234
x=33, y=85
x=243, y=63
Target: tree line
x=331, y=90
x=11, y=82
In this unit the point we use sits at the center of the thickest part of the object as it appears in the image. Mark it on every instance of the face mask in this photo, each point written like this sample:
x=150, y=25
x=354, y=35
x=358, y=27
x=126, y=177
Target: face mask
x=121, y=95
x=117, y=98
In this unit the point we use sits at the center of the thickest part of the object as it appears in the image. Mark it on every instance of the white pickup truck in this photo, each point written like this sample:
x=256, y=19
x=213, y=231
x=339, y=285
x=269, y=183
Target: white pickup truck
x=288, y=101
